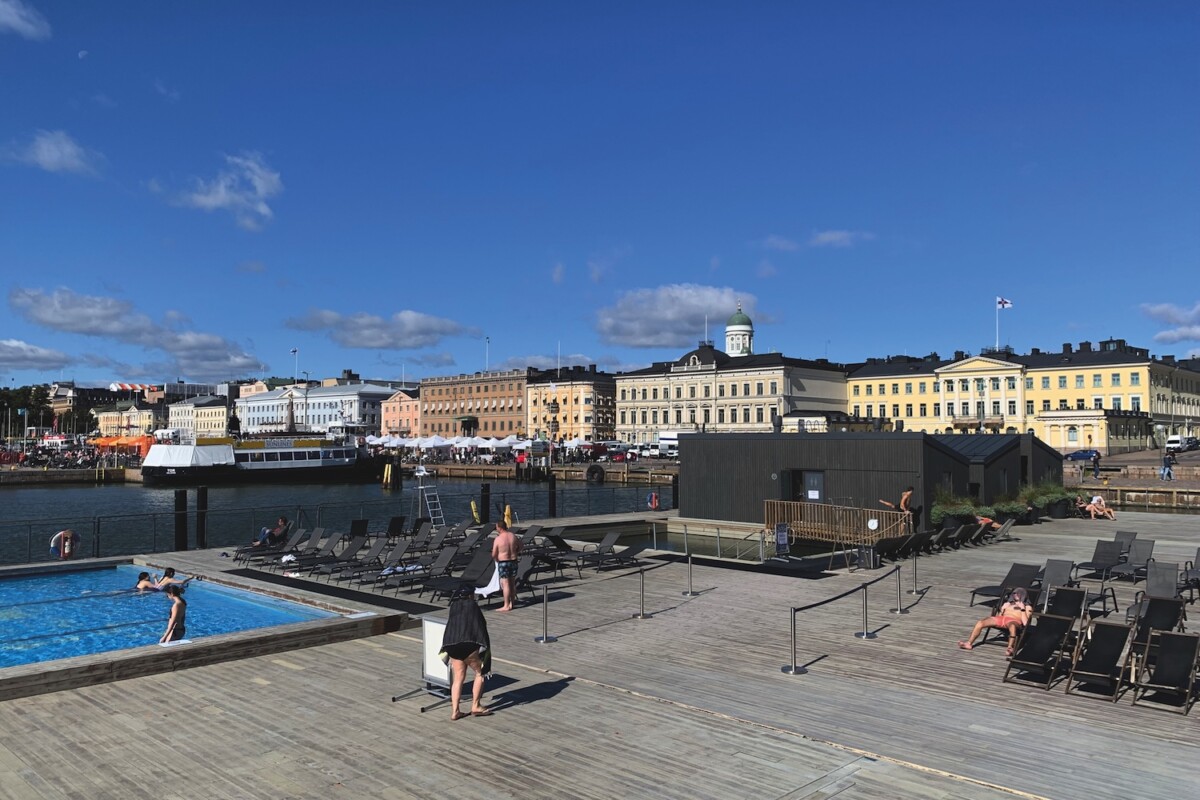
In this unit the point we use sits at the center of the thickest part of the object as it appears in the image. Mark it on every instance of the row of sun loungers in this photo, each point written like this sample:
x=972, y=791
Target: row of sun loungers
x=1148, y=653
x=895, y=548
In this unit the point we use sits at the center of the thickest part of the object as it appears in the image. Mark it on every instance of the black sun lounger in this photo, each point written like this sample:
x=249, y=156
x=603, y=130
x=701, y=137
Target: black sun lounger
x=1097, y=659
x=1173, y=672
x=1040, y=649
x=1020, y=576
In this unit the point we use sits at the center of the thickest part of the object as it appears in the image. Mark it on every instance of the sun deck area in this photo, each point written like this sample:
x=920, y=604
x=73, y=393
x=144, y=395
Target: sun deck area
x=688, y=703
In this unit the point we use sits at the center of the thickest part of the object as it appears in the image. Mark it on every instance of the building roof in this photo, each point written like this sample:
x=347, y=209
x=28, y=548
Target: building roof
x=708, y=355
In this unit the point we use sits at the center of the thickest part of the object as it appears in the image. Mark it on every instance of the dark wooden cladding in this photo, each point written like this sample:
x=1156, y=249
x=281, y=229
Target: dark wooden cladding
x=728, y=476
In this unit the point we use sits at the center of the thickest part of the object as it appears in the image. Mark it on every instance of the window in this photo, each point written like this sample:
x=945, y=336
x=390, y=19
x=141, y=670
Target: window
x=908, y=409
x=895, y=388
x=1135, y=379
x=937, y=409
x=882, y=388
x=870, y=410
x=707, y=390
x=758, y=390
x=706, y=419
x=654, y=393
x=1063, y=405
x=870, y=388
x=979, y=407
x=1073, y=434
x=964, y=385
x=1045, y=405
x=1135, y=403
x=692, y=392
x=654, y=417
x=1097, y=381
x=1116, y=403
x=1010, y=382
x=1062, y=381
x=758, y=414
x=746, y=392
x=908, y=388
x=679, y=416
x=1045, y=381
x=1078, y=381
x=854, y=390
x=733, y=390
x=774, y=388
x=721, y=390
x=644, y=394
x=1029, y=408
x=643, y=416
x=895, y=410
x=678, y=392
x=995, y=384
x=923, y=410
x=1116, y=379
x=995, y=408
x=921, y=387
x=720, y=416
x=856, y=411
x=937, y=386
x=950, y=409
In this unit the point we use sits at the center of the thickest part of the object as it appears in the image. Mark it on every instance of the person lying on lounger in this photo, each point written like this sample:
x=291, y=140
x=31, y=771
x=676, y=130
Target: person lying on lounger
x=1100, y=508
x=1012, y=617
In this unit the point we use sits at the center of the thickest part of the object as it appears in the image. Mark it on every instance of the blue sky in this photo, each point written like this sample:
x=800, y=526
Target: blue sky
x=192, y=189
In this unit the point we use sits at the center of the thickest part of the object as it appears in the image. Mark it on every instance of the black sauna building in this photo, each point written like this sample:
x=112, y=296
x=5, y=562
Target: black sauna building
x=727, y=476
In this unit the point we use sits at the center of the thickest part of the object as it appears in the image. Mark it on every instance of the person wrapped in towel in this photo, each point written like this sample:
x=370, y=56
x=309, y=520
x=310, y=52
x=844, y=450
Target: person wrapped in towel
x=465, y=643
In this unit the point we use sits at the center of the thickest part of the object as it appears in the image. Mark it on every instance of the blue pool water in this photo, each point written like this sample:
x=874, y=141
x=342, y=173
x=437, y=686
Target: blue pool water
x=59, y=615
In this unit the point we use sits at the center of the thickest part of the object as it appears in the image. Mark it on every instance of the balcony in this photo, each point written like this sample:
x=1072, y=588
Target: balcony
x=971, y=421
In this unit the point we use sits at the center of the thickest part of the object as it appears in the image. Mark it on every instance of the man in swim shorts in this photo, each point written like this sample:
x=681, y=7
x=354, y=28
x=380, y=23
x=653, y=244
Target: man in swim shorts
x=506, y=549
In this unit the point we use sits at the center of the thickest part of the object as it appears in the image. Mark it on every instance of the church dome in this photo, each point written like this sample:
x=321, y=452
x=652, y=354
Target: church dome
x=739, y=318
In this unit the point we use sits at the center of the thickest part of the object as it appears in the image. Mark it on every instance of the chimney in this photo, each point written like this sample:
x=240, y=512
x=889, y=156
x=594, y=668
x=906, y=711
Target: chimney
x=959, y=355
x=1168, y=359
x=1035, y=351
x=1085, y=347
x=1067, y=347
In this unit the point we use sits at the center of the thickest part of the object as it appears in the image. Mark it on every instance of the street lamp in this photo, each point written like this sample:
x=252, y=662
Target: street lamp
x=305, y=400
x=981, y=403
x=552, y=426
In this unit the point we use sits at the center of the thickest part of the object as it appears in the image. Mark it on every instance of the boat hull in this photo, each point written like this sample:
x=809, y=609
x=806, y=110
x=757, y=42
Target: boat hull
x=364, y=470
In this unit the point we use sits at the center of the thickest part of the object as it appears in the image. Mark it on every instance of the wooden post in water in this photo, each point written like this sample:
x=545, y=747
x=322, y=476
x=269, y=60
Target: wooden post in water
x=202, y=518
x=552, y=487
x=181, y=525
x=485, y=503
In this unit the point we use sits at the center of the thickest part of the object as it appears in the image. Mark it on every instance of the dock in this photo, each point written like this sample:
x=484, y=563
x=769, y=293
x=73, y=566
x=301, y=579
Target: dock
x=690, y=702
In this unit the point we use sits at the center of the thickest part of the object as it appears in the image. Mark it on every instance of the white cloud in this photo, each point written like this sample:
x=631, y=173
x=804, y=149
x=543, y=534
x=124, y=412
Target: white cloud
x=669, y=316
x=56, y=151
x=404, y=330
x=241, y=189
x=558, y=273
x=1184, y=322
x=839, y=238
x=193, y=353
x=23, y=20
x=167, y=93
x=779, y=243
x=83, y=54
x=15, y=354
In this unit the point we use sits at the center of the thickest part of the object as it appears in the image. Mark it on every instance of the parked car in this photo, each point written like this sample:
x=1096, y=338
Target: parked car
x=1191, y=443
x=1081, y=455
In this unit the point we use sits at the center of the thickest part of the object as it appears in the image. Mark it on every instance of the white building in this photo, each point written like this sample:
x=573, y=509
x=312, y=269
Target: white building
x=203, y=417
x=313, y=408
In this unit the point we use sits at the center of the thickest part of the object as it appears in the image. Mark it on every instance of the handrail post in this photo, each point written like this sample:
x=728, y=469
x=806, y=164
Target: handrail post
x=762, y=546
x=793, y=668
x=689, y=592
x=654, y=534
x=686, y=549
x=916, y=555
x=865, y=633
x=899, y=609
x=545, y=638
x=719, y=554
x=642, y=580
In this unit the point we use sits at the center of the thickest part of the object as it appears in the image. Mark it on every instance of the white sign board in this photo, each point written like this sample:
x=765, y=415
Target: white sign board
x=781, y=539
x=433, y=669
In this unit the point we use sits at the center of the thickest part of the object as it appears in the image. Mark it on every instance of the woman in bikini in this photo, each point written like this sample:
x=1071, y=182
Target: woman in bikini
x=1012, y=617
x=177, y=622
x=145, y=583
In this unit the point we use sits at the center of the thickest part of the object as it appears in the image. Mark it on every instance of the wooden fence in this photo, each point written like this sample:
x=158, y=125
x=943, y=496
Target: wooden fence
x=842, y=525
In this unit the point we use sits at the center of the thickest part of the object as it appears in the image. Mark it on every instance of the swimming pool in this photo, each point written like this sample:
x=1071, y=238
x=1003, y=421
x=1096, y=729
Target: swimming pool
x=58, y=615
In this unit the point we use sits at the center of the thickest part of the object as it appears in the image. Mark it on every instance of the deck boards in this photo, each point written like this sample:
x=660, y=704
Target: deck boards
x=690, y=703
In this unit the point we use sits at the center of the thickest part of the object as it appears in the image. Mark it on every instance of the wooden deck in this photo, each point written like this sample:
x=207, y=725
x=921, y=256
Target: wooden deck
x=689, y=703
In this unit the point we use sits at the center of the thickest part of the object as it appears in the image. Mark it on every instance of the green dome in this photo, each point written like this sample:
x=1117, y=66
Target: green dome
x=739, y=318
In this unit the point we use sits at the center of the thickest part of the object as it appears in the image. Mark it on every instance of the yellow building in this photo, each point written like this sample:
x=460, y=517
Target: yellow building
x=479, y=404
x=1114, y=398
x=586, y=404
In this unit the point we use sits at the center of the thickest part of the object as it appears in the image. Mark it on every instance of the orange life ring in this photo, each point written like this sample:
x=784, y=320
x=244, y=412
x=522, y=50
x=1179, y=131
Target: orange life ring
x=652, y=501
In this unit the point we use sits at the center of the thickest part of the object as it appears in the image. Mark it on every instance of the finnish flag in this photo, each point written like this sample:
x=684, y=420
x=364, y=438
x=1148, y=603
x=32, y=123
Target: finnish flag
x=1002, y=303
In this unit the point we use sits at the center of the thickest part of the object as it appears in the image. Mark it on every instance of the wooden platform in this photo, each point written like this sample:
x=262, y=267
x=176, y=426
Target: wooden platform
x=689, y=703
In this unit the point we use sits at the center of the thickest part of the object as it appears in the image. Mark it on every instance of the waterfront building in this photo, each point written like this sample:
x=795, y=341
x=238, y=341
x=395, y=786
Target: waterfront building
x=731, y=391
x=201, y=417
x=307, y=407
x=130, y=418
x=586, y=402
x=402, y=413
x=1114, y=398
x=477, y=404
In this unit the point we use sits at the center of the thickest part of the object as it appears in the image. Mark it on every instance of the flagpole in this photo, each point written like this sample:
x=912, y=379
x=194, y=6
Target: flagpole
x=997, y=325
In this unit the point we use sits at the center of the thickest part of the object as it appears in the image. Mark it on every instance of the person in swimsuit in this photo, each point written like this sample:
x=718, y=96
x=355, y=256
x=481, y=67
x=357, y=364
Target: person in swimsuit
x=506, y=549
x=145, y=583
x=168, y=579
x=466, y=643
x=1012, y=617
x=177, y=622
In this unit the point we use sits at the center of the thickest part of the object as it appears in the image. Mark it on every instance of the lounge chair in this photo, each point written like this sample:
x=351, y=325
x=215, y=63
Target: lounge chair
x=1097, y=658
x=395, y=528
x=627, y=557
x=1002, y=535
x=370, y=558
x=1126, y=539
x=1173, y=672
x=889, y=547
x=446, y=585
x=1158, y=614
x=440, y=565
x=1105, y=556
x=1040, y=648
x=598, y=552
x=347, y=554
x=1068, y=601
x=394, y=559
x=558, y=554
x=250, y=553
x=1020, y=576
x=257, y=547
x=1141, y=551
x=1162, y=580
x=310, y=547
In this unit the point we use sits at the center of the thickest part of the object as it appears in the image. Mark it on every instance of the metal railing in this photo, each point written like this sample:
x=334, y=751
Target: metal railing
x=865, y=634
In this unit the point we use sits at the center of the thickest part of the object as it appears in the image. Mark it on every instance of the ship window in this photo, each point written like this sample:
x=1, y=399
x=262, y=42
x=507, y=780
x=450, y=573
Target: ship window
x=285, y=456
x=257, y=458
x=272, y=456
x=242, y=458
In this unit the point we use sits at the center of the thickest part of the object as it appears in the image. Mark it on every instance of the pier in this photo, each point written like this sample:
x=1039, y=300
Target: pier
x=690, y=702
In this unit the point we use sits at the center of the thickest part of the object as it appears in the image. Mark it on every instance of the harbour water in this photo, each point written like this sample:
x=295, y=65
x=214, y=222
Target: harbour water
x=124, y=519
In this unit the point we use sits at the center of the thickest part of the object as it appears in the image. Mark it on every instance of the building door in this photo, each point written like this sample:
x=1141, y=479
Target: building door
x=814, y=487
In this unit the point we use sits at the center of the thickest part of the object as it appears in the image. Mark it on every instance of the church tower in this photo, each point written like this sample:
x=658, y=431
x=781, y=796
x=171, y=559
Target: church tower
x=739, y=334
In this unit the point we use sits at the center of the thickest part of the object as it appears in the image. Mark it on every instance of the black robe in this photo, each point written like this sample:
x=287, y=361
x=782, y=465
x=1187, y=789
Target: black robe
x=466, y=625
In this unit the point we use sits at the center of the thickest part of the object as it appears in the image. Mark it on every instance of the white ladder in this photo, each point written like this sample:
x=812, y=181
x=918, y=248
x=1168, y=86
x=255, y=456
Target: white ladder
x=433, y=504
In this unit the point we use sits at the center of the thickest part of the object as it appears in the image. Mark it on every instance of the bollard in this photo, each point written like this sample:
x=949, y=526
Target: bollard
x=552, y=492
x=642, y=613
x=654, y=535
x=181, y=520
x=202, y=518
x=686, y=549
x=793, y=668
x=718, y=542
x=689, y=592
x=545, y=638
x=865, y=633
x=899, y=609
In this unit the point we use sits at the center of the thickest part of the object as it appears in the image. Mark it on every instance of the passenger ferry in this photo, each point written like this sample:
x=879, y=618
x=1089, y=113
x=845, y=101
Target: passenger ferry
x=274, y=459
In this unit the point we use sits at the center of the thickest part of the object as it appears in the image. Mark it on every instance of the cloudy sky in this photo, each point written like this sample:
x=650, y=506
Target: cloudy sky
x=193, y=189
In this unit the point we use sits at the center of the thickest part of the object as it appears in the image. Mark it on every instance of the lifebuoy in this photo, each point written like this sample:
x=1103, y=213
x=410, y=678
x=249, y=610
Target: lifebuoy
x=652, y=501
x=62, y=544
x=595, y=474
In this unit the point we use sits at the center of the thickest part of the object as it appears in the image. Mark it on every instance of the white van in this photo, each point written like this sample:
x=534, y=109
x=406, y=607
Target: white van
x=1175, y=443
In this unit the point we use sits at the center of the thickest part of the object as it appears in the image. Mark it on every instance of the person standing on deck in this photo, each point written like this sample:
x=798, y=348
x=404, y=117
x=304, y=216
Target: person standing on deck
x=506, y=550
x=177, y=622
